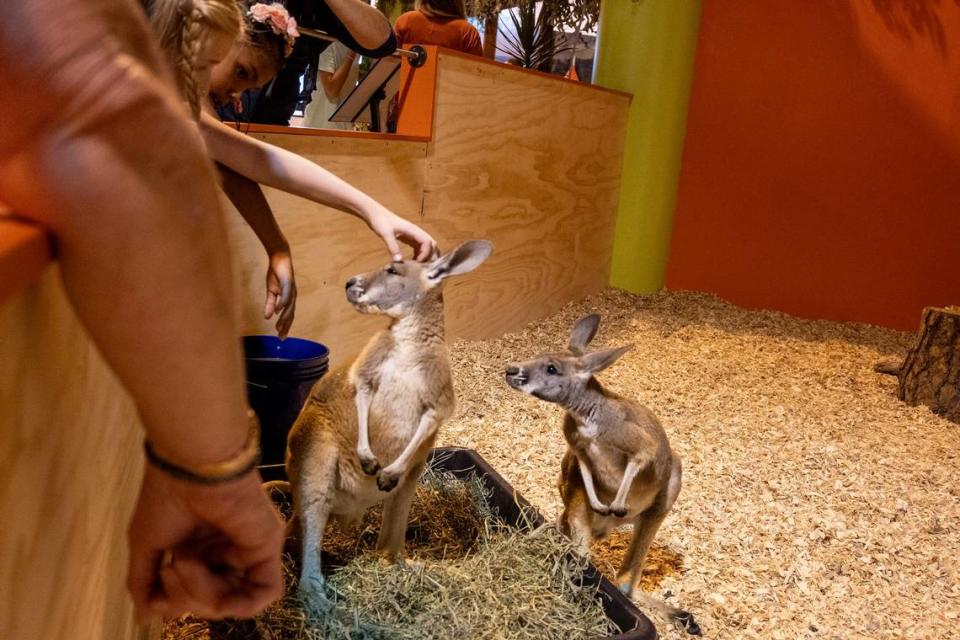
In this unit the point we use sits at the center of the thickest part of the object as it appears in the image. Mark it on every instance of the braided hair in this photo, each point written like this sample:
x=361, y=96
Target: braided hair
x=183, y=27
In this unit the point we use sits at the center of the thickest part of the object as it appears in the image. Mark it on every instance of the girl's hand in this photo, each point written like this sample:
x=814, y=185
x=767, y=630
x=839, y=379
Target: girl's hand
x=281, y=292
x=391, y=227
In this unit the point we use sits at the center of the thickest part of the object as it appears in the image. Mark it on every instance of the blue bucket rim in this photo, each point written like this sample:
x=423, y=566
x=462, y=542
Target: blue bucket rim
x=269, y=348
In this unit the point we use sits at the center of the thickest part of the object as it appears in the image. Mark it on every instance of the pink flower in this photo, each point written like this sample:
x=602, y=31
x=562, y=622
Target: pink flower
x=279, y=20
x=275, y=13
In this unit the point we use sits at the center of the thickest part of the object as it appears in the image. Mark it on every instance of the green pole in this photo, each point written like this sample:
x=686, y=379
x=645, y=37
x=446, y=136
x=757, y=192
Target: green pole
x=646, y=47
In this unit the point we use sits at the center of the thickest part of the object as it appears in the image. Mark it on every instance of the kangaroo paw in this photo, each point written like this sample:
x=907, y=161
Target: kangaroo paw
x=686, y=619
x=620, y=512
x=387, y=480
x=602, y=509
x=313, y=596
x=370, y=466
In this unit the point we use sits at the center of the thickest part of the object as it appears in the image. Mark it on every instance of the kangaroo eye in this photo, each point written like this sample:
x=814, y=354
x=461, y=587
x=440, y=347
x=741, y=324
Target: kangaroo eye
x=392, y=270
x=552, y=370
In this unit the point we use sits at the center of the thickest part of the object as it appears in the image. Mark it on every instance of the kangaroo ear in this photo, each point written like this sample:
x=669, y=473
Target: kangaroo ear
x=582, y=333
x=463, y=259
x=600, y=360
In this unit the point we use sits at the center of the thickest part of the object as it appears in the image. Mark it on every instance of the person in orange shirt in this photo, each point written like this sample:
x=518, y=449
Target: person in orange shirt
x=440, y=22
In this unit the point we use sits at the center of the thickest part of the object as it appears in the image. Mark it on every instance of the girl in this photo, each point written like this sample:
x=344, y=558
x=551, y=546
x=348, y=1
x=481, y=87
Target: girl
x=356, y=24
x=245, y=159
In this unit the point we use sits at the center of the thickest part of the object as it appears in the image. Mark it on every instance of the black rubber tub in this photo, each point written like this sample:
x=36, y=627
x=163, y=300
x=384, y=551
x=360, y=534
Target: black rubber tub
x=515, y=511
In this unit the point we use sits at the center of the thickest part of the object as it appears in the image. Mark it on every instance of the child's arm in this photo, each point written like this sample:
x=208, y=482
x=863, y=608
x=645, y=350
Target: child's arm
x=333, y=82
x=248, y=198
x=284, y=170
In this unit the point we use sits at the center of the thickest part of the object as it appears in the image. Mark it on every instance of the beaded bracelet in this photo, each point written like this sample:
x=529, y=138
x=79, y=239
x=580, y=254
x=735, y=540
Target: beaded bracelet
x=217, y=472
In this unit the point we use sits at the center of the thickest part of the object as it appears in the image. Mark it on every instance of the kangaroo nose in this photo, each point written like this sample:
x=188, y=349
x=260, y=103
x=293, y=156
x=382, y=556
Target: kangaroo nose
x=512, y=371
x=352, y=281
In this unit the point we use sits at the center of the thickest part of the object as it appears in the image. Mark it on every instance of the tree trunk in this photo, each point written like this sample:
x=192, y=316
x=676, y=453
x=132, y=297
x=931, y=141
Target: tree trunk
x=930, y=374
x=490, y=26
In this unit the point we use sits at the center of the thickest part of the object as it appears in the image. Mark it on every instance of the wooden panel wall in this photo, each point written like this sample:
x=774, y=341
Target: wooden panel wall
x=533, y=164
x=329, y=246
x=70, y=467
x=527, y=161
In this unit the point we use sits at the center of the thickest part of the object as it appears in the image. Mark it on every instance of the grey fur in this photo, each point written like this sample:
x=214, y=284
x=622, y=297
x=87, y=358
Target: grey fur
x=364, y=433
x=618, y=467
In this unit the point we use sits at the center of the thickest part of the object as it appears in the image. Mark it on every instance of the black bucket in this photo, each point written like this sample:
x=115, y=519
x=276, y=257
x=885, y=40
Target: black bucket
x=280, y=374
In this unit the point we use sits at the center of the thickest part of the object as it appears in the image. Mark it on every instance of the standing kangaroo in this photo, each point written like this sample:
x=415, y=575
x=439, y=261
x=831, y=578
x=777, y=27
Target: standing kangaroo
x=364, y=434
x=618, y=467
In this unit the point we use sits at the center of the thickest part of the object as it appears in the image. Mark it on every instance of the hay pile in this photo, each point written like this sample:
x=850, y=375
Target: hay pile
x=515, y=586
x=471, y=578
x=814, y=504
x=446, y=522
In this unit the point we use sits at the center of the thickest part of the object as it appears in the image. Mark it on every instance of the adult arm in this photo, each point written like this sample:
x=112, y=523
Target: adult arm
x=104, y=156
x=361, y=24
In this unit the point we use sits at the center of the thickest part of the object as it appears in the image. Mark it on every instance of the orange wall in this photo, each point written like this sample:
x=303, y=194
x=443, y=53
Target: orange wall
x=821, y=169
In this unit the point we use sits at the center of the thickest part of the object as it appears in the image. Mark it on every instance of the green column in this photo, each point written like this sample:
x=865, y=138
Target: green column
x=646, y=47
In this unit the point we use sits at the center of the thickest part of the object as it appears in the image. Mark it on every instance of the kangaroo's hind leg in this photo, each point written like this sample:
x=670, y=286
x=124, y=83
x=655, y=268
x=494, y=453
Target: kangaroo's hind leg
x=645, y=528
x=391, y=544
x=314, y=484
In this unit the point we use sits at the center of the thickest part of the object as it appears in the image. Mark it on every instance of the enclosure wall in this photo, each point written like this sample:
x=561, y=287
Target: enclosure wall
x=528, y=161
x=821, y=159
x=328, y=246
x=70, y=466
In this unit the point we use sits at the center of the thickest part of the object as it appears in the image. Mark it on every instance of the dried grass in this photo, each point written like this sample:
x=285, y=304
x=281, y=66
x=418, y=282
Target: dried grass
x=516, y=586
x=446, y=520
x=471, y=578
x=815, y=504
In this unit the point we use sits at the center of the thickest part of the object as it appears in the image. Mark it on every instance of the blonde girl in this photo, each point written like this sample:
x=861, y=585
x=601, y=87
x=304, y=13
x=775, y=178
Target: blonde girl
x=247, y=162
x=195, y=35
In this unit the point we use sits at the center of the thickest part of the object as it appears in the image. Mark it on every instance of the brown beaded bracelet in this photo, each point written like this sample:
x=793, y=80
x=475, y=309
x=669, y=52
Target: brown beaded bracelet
x=217, y=472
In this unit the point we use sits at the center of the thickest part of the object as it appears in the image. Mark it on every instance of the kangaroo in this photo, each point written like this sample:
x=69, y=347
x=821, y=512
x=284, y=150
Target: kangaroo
x=618, y=466
x=364, y=432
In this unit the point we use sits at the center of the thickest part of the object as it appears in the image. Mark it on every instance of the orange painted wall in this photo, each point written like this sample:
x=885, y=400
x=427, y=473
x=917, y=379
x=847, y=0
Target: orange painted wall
x=821, y=169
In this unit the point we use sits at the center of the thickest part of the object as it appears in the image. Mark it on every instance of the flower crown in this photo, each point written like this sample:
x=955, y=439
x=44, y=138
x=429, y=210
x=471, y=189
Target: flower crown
x=279, y=20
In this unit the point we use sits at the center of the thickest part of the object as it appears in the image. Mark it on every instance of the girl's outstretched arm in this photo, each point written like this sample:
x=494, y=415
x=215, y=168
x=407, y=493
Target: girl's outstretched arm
x=285, y=170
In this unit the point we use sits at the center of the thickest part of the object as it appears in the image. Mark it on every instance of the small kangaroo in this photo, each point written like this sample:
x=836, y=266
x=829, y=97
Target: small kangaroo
x=618, y=466
x=386, y=407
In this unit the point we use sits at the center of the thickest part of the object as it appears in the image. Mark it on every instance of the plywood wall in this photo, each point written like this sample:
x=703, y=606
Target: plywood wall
x=70, y=467
x=329, y=246
x=529, y=162
x=533, y=164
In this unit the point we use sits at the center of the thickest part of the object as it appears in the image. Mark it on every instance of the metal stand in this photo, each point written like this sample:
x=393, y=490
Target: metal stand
x=371, y=91
x=415, y=54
